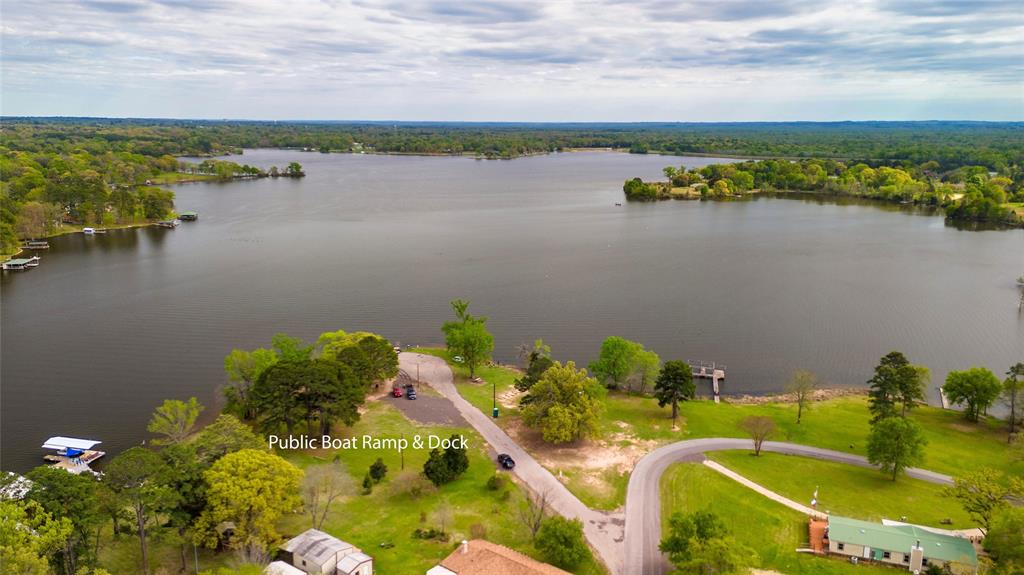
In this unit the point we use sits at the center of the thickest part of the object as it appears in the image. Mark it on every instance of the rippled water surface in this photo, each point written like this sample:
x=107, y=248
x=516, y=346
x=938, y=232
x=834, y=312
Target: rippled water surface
x=109, y=326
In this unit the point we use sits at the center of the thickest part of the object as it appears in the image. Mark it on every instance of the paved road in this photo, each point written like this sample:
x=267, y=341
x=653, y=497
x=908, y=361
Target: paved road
x=603, y=531
x=643, y=502
x=630, y=548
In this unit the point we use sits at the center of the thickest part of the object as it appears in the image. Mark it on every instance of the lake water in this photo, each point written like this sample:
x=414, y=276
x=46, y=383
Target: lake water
x=109, y=326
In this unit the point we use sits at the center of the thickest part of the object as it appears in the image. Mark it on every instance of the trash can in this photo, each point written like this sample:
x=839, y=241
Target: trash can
x=494, y=412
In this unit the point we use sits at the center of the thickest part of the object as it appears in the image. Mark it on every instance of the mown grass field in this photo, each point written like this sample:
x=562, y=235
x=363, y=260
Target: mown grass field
x=847, y=489
x=770, y=529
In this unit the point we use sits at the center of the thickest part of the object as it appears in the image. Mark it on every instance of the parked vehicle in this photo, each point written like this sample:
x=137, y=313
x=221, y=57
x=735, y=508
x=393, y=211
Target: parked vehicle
x=396, y=392
x=411, y=394
x=505, y=460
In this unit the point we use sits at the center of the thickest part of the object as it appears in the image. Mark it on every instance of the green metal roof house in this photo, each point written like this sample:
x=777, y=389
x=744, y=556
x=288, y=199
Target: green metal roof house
x=910, y=546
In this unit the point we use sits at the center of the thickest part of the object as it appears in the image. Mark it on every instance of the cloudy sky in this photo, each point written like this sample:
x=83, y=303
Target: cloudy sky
x=515, y=60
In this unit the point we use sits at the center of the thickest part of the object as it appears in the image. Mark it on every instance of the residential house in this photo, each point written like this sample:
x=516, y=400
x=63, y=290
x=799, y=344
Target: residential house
x=479, y=557
x=900, y=544
x=314, y=551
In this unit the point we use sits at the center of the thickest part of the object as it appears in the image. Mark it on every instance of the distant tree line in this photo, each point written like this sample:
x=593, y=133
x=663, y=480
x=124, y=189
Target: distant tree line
x=971, y=193
x=950, y=144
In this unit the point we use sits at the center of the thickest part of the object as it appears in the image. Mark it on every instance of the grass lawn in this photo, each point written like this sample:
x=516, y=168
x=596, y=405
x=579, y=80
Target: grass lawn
x=390, y=514
x=770, y=529
x=847, y=489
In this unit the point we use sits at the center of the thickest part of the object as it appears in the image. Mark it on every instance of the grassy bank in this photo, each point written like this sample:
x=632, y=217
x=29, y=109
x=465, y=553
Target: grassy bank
x=847, y=489
x=633, y=425
x=770, y=529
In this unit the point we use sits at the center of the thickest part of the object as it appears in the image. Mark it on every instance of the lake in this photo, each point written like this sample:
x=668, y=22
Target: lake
x=110, y=325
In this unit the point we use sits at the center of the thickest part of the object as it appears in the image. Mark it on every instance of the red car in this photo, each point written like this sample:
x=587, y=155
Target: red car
x=396, y=392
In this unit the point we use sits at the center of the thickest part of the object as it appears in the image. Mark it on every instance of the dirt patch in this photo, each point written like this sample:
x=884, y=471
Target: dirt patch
x=818, y=395
x=591, y=460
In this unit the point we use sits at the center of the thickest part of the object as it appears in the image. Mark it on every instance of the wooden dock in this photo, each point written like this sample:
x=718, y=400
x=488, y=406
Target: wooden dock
x=709, y=370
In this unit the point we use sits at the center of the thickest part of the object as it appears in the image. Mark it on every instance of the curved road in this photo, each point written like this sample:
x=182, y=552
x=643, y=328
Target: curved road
x=643, y=499
x=630, y=549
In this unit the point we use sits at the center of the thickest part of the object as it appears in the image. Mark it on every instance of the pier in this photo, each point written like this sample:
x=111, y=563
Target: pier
x=709, y=370
x=72, y=454
x=19, y=264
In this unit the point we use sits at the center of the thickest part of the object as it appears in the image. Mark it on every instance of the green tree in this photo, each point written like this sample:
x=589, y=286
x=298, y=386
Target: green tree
x=984, y=492
x=976, y=387
x=139, y=477
x=378, y=470
x=896, y=443
x=455, y=455
x=645, y=368
x=381, y=361
x=560, y=542
x=290, y=348
x=616, y=361
x=565, y=405
x=436, y=468
x=30, y=537
x=896, y=381
x=253, y=489
x=699, y=542
x=243, y=369
x=674, y=384
x=73, y=497
x=225, y=435
x=468, y=336
x=802, y=386
x=1004, y=542
x=316, y=390
x=174, y=419
x=1013, y=395
x=539, y=360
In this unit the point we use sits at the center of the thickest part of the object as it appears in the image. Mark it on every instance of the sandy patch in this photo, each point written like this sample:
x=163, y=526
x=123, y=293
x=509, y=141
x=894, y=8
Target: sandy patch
x=590, y=458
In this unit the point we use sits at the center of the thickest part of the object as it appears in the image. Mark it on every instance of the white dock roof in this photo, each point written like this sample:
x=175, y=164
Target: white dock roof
x=61, y=442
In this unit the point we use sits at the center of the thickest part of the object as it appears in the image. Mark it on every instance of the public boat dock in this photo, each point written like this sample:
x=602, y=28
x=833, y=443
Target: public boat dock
x=188, y=216
x=709, y=370
x=36, y=245
x=72, y=454
x=18, y=264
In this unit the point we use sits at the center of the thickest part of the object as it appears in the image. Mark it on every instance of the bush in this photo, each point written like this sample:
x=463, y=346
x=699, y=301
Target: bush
x=431, y=534
x=478, y=531
x=378, y=470
x=560, y=542
x=496, y=482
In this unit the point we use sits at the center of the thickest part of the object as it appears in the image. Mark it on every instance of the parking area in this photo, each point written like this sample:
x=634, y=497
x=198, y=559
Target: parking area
x=429, y=407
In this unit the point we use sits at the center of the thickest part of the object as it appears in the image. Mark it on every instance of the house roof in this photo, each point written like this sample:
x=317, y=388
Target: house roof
x=350, y=562
x=317, y=546
x=486, y=558
x=901, y=538
x=282, y=568
x=61, y=442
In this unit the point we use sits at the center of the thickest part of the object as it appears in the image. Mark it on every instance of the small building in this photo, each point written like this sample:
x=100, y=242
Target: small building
x=282, y=568
x=900, y=544
x=314, y=551
x=480, y=557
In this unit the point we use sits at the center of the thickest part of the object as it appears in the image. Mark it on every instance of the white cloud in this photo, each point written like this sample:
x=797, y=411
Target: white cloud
x=600, y=60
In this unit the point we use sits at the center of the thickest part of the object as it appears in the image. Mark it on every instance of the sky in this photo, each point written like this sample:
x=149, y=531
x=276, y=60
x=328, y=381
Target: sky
x=515, y=60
